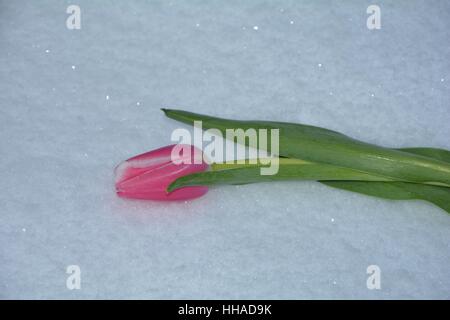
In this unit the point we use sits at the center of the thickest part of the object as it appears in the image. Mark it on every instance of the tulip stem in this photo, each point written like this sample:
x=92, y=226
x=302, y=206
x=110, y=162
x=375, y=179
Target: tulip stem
x=300, y=168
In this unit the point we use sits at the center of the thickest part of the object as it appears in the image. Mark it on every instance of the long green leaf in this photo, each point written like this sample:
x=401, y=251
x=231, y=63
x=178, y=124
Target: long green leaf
x=440, y=196
x=362, y=182
x=295, y=169
x=289, y=169
x=435, y=153
x=326, y=146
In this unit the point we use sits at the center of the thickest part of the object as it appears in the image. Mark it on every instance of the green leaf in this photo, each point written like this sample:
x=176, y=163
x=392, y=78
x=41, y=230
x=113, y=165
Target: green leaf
x=289, y=169
x=330, y=147
x=435, y=153
x=440, y=196
x=294, y=169
x=369, y=182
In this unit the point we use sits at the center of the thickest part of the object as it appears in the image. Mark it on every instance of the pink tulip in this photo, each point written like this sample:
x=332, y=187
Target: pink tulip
x=148, y=175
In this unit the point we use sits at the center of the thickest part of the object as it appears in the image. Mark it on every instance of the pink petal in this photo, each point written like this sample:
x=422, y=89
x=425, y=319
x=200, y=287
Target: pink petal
x=148, y=175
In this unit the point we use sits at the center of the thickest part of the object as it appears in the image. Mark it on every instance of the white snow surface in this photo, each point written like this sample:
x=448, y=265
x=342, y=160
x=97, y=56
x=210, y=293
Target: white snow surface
x=61, y=139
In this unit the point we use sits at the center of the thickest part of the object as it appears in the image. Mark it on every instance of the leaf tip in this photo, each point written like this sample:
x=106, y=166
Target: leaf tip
x=172, y=186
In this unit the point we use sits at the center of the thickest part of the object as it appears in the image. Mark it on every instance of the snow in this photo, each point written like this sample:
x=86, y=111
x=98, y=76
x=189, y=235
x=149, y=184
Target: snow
x=61, y=141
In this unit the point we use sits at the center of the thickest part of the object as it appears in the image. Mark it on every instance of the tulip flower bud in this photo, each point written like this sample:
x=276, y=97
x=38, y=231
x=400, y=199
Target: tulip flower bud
x=148, y=175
